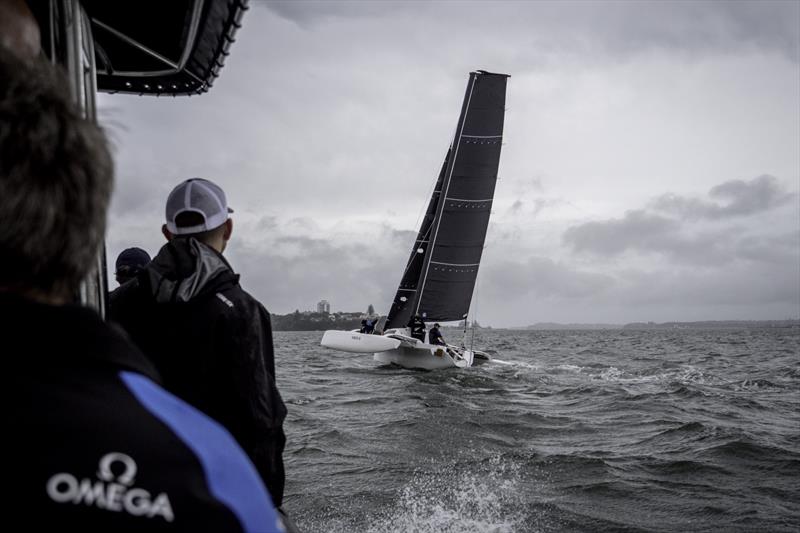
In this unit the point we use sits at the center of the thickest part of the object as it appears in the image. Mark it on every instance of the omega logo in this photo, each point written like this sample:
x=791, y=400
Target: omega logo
x=110, y=491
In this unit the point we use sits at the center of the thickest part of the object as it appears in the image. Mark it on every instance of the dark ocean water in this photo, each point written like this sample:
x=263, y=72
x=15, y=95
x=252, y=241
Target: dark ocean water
x=609, y=430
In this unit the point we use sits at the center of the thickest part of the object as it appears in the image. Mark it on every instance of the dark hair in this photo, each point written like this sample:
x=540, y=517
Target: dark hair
x=56, y=176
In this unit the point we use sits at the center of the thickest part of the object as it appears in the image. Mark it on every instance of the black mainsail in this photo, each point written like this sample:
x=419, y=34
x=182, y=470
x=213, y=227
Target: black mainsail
x=440, y=274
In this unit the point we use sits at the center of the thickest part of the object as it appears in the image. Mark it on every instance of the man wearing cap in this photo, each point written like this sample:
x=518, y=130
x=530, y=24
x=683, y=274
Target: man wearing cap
x=129, y=263
x=210, y=340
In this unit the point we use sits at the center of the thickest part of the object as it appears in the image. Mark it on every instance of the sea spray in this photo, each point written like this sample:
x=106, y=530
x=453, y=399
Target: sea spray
x=451, y=500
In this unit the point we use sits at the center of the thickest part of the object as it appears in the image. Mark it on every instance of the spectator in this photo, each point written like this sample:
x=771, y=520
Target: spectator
x=210, y=340
x=130, y=263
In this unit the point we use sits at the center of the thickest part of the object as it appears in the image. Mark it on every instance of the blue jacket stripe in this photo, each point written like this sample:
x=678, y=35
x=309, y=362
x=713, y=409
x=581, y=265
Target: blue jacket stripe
x=231, y=477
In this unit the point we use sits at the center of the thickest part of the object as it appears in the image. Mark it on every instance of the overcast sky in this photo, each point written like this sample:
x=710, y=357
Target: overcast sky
x=650, y=167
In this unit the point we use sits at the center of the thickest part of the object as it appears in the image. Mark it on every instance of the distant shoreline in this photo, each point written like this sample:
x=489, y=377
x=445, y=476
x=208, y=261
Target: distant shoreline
x=310, y=321
x=701, y=324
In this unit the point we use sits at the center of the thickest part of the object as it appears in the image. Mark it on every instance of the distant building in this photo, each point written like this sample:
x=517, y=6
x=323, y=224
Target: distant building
x=323, y=307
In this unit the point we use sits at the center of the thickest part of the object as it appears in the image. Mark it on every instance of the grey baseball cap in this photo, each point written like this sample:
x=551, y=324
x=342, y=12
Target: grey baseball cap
x=201, y=196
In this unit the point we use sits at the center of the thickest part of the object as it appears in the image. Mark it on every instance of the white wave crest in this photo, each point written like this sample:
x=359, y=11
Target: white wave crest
x=450, y=502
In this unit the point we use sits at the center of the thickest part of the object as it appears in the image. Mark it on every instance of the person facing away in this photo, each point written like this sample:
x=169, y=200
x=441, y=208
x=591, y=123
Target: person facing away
x=435, y=336
x=417, y=327
x=92, y=441
x=130, y=262
x=210, y=340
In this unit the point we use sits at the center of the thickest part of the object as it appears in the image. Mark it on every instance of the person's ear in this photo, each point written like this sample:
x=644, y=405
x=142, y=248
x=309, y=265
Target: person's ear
x=167, y=234
x=226, y=235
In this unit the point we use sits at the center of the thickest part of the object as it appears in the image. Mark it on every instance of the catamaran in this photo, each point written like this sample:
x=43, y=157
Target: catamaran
x=440, y=275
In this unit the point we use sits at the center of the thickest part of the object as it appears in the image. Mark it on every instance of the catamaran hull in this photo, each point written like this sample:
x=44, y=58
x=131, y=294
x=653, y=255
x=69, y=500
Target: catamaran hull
x=431, y=357
x=422, y=358
x=355, y=342
x=398, y=348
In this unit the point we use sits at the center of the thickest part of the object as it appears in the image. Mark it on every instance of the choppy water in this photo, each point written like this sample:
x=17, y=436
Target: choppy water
x=573, y=431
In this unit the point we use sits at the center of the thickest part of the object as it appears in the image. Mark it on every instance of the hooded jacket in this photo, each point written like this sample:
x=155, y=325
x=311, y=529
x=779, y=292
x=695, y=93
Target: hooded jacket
x=95, y=444
x=212, y=344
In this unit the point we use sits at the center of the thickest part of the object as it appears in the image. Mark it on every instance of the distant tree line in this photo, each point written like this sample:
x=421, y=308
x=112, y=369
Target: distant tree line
x=311, y=321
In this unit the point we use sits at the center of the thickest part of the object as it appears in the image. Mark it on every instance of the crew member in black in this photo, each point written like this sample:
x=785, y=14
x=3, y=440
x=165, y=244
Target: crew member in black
x=417, y=327
x=129, y=263
x=92, y=442
x=435, y=336
x=210, y=340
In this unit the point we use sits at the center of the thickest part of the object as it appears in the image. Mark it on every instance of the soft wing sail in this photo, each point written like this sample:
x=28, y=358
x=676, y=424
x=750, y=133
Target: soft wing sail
x=441, y=273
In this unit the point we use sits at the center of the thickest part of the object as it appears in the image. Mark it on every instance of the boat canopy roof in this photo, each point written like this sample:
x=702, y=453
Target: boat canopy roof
x=158, y=47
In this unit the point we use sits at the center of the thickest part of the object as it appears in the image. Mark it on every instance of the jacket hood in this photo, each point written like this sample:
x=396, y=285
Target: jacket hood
x=186, y=268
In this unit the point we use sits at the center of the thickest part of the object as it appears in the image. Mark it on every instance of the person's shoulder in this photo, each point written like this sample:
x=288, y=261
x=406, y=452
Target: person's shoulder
x=230, y=476
x=126, y=295
x=184, y=469
x=125, y=290
x=239, y=301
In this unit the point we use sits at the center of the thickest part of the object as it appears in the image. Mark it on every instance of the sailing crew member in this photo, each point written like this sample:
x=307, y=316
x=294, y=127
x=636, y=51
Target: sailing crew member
x=129, y=263
x=93, y=443
x=417, y=327
x=210, y=340
x=435, y=336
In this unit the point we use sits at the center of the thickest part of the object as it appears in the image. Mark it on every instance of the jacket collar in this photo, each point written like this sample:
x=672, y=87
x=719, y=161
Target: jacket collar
x=185, y=268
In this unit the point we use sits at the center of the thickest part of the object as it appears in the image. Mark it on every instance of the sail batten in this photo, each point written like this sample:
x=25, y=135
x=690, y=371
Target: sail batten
x=444, y=262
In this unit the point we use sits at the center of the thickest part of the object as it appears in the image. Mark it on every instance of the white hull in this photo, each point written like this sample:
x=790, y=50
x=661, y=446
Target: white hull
x=398, y=348
x=412, y=357
x=431, y=357
x=355, y=342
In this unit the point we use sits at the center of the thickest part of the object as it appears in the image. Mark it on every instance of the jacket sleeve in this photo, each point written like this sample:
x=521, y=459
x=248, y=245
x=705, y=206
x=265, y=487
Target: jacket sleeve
x=252, y=360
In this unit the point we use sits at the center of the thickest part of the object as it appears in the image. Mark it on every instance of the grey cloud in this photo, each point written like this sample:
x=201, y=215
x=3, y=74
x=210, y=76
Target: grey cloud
x=525, y=205
x=741, y=198
x=540, y=277
x=782, y=248
x=267, y=223
x=403, y=236
x=617, y=27
x=698, y=231
x=309, y=12
x=288, y=270
x=640, y=234
x=637, y=229
x=749, y=285
x=717, y=26
x=660, y=293
x=540, y=204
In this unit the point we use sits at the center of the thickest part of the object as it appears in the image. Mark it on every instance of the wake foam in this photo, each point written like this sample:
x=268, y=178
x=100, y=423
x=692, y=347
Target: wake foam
x=453, y=502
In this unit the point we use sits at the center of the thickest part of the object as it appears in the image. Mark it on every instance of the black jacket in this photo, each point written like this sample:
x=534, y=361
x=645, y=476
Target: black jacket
x=212, y=344
x=417, y=327
x=435, y=336
x=94, y=444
